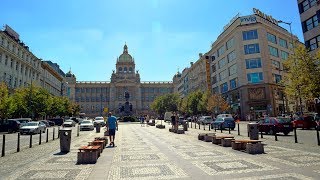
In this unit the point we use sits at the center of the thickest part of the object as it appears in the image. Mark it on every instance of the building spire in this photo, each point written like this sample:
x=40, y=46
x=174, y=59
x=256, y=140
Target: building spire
x=125, y=48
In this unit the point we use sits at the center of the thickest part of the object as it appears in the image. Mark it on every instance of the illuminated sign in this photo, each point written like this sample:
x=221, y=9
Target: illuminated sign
x=264, y=16
x=248, y=19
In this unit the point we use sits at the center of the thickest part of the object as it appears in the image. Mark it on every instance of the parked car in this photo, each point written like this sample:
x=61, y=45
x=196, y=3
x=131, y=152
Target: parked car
x=99, y=120
x=86, y=125
x=205, y=120
x=224, y=115
x=69, y=123
x=167, y=116
x=9, y=126
x=23, y=121
x=45, y=122
x=272, y=125
x=304, y=122
x=182, y=120
x=51, y=123
x=33, y=127
x=223, y=122
x=57, y=121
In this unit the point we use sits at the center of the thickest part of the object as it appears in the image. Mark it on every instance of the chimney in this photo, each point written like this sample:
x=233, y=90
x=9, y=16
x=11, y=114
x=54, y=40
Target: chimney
x=200, y=55
x=191, y=63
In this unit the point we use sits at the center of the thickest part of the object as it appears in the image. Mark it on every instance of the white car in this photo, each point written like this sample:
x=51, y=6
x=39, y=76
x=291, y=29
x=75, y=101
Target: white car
x=33, y=127
x=69, y=123
x=224, y=115
x=99, y=120
x=86, y=125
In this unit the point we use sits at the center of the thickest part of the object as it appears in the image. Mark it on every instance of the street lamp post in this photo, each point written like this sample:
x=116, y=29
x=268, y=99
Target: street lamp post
x=299, y=90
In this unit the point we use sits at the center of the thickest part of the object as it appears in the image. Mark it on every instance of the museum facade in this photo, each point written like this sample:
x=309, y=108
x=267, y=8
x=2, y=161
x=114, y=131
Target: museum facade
x=98, y=97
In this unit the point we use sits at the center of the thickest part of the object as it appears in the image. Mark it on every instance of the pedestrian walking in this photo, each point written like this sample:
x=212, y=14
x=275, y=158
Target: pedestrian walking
x=112, y=126
x=142, y=121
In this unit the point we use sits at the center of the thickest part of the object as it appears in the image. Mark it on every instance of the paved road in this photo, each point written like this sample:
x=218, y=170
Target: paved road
x=151, y=153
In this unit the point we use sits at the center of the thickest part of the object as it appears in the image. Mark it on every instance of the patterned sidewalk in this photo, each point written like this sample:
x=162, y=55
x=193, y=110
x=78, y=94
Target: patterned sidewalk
x=151, y=153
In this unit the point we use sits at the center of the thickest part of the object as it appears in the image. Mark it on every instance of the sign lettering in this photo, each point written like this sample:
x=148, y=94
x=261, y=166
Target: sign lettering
x=248, y=19
x=265, y=16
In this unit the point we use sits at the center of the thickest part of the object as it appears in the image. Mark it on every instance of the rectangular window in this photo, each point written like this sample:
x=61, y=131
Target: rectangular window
x=222, y=62
x=313, y=43
x=233, y=83
x=277, y=78
x=253, y=63
x=283, y=43
x=223, y=74
x=251, y=48
x=224, y=87
x=272, y=38
x=233, y=69
x=248, y=35
x=311, y=23
x=214, y=79
x=221, y=50
x=213, y=68
x=284, y=55
x=230, y=43
x=231, y=56
x=255, y=77
x=273, y=51
x=276, y=64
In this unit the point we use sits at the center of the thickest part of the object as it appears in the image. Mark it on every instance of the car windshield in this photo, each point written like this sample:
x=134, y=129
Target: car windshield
x=219, y=120
x=86, y=122
x=228, y=119
x=99, y=118
x=284, y=120
x=208, y=118
x=32, y=124
x=69, y=121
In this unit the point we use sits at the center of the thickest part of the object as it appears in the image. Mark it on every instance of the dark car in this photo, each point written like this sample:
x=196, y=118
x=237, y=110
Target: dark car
x=51, y=123
x=272, y=125
x=46, y=122
x=223, y=122
x=9, y=126
x=304, y=122
x=57, y=121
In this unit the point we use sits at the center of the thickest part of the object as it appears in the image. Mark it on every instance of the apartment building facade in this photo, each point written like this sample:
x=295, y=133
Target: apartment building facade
x=246, y=65
x=310, y=22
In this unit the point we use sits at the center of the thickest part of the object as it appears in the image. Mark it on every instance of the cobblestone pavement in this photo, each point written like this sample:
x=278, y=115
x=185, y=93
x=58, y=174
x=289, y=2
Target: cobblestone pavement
x=151, y=153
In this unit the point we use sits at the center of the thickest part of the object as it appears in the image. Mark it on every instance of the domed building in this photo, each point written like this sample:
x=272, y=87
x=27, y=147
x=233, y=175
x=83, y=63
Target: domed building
x=124, y=94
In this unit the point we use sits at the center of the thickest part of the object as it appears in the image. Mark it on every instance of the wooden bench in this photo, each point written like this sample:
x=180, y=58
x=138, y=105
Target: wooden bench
x=201, y=136
x=250, y=146
x=217, y=139
x=208, y=137
x=88, y=154
x=104, y=138
x=179, y=131
x=226, y=142
x=97, y=143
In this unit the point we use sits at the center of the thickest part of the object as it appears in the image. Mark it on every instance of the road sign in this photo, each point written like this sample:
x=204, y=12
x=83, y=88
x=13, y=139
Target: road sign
x=105, y=110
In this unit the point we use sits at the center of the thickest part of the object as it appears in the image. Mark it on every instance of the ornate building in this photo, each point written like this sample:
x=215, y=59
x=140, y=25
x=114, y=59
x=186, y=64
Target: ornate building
x=96, y=97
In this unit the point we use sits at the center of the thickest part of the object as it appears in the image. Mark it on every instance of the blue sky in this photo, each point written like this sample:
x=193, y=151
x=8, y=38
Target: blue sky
x=162, y=35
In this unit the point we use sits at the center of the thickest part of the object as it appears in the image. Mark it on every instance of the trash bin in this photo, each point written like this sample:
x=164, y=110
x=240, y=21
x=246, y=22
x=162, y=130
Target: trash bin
x=65, y=139
x=253, y=131
x=185, y=125
x=98, y=127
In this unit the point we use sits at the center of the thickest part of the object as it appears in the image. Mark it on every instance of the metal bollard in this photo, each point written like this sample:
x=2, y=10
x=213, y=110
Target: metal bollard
x=47, y=139
x=3, y=145
x=204, y=126
x=58, y=132
x=18, y=143
x=275, y=133
x=30, y=144
x=221, y=127
x=215, y=128
x=229, y=128
x=53, y=134
x=78, y=130
x=199, y=125
x=238, y=129
x=40, y=137
x=318, y=138
x=261, y=134
x=191, y=123
x=209, y=126
x=295, y=135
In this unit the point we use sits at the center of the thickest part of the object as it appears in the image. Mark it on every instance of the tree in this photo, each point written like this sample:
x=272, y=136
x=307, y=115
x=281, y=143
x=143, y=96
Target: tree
x=193, y=100
x=216, y=103
x=202, y=105
x=302, y=77
x=167, y=102
x=7, y=106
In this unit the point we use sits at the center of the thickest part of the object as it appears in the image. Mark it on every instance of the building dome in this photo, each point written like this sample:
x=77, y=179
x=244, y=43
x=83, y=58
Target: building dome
x=125, y=56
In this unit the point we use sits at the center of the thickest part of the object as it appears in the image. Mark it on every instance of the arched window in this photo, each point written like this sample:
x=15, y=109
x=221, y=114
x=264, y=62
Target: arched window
x=125, y=69
x=130, y=69
x=120, y=69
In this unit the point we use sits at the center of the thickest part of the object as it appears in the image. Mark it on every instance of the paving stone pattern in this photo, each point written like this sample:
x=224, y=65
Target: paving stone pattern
x=146, y=152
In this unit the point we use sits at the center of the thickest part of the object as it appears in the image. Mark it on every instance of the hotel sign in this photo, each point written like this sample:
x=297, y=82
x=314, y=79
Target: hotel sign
x=265, y=16
x=248, y=19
